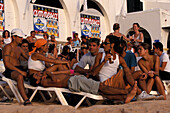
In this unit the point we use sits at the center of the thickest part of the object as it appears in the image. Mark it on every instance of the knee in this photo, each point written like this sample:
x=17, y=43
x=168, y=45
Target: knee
x=20, y=77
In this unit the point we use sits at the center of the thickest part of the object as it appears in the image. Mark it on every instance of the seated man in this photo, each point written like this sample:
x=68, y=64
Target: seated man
x=24, y=61
x=164, y=69
x=89, y=58
x=107, y=64
x=11, y=56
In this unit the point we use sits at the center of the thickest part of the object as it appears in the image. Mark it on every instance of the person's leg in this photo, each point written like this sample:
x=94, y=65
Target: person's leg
x=108, y=90
x=114, y=97
x=132, y=93
x=150, y=85
x=131, y=79
x=20, y=83
x=159, y=86
x=142, y=83
x=118, y=94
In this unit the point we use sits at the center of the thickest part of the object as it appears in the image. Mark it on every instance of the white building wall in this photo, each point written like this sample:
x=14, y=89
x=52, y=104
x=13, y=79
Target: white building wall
x=159, y=4
x=149, y=20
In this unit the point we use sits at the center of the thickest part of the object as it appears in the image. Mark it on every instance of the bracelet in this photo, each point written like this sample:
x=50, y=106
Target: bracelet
x=154, y=76
x=71, y=71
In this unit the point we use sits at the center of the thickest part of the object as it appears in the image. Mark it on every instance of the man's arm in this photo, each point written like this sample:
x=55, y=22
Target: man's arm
x=133, y=62
x=6, y=56
x=80, y=70
x=157, y=64
x=163, y=66
x=165, y=59
x=97, y=65
x=127, y=71
x=82, y=64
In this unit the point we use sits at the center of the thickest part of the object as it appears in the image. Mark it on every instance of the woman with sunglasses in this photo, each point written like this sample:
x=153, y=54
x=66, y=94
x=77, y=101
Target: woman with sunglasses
x=149, y=64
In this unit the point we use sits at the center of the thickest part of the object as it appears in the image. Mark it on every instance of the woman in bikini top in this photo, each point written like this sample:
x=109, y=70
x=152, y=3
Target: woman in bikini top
x=149, y=64
x=116, y=32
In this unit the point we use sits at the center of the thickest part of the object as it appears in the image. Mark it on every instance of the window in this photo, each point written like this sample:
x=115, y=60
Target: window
x=134, y=6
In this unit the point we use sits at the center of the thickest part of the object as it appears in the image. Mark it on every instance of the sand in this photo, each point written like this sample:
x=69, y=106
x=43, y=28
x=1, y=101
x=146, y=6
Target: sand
x=154, y=106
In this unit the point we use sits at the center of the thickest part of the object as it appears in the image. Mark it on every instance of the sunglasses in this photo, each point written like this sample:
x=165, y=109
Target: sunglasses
x=106, y=43
x=24, y=46
x=139, y=48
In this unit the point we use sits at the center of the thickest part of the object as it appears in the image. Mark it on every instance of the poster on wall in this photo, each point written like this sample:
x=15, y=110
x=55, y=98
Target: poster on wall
x=45, y=21
x=90, y=26
x=2, y=19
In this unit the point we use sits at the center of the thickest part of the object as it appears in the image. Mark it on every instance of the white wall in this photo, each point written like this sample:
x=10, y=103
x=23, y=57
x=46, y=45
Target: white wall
x=152, y=5
x=149, y=20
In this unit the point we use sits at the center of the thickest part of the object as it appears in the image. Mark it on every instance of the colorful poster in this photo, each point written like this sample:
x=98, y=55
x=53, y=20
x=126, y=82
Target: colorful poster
x=45, y=21
x=90, y=26
x=2, y=17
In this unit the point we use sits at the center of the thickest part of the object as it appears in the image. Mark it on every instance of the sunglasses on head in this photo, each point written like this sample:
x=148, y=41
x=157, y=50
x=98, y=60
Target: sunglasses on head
x=106, y=43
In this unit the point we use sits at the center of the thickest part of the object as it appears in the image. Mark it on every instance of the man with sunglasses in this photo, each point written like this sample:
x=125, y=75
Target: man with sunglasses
x=89, y=58
x=11, y=56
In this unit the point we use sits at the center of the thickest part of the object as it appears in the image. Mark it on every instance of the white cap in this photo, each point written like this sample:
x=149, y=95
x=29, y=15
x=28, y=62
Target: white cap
x=18, y=32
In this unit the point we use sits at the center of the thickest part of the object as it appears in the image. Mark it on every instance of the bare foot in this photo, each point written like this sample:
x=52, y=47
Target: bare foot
x=132, y=94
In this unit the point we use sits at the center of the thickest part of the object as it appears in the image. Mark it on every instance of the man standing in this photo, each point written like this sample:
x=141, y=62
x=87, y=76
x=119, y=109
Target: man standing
x=164, y=69
x=89, y=58
x=11, y=55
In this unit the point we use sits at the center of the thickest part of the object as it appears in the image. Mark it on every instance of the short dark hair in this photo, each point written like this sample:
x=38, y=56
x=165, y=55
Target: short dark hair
x=75, y=34
x=83, y=37
x=95, y=40
x=3, y=34
x=32, y=32
x=116, y=41
x=46, y=35
x=33, y=80
x=158, y=45
x=24, y=41
x=116, y=26
x=65, y=48
x=69, y=38
x=123, y=44
x=136, y=24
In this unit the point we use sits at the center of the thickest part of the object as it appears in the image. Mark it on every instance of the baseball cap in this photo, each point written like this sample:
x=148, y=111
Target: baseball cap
x=18, y=32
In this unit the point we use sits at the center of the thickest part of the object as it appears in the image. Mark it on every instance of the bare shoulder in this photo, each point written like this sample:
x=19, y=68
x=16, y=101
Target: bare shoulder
x=141, y=61
x=99, y=55
x=7, y=48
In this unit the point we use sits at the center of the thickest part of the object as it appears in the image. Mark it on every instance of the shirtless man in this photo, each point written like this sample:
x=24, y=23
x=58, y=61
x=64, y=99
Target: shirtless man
x=81, y=83
x=32, y=38
x=11, y=55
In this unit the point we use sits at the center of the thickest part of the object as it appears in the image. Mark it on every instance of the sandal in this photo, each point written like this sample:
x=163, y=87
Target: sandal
x=27, y=102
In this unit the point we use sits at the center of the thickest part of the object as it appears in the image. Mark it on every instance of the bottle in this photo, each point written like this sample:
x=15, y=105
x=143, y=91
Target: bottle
x=111, y=60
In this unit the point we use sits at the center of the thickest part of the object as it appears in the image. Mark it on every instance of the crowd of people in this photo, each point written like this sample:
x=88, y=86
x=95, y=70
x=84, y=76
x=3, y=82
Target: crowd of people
x=111, y=64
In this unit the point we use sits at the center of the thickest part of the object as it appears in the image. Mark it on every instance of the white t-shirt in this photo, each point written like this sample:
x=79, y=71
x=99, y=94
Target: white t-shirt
x=88, y=59
x=165, y=58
